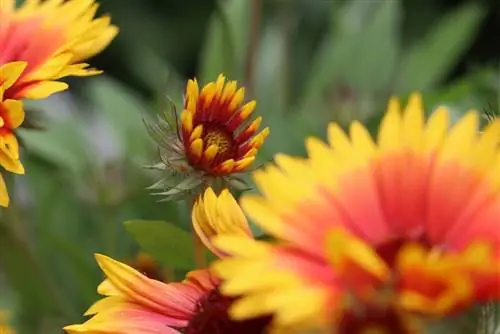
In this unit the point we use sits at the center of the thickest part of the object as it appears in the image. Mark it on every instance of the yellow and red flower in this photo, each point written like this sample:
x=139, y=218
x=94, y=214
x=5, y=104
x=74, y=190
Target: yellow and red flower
x=53, y=37
x=11, y=117
x=215, y=138
x=137, y=304
x=214, y=134
x=406, y=225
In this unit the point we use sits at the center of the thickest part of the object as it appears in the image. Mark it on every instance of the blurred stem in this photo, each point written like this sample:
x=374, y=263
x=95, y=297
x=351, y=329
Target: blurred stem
x=19, y=259
x=108, y=209
x=199, y=248
x=111, y=228
x=251, y=57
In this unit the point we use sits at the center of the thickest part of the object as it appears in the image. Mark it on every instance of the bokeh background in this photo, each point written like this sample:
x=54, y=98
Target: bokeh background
x=307, y=62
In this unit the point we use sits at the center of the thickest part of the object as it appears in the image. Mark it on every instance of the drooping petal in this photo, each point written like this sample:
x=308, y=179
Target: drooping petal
x=175, y=300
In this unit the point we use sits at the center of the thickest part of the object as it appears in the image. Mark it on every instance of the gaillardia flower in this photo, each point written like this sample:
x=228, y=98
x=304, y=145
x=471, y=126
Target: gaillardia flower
x=373, y=235
x=53, y=37
x=136, y=304
x=11, y=117
x=215, y=138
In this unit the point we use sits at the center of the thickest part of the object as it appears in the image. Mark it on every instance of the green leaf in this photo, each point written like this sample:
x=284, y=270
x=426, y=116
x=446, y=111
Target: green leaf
x=224, y=49
x=166, y=242
x=428, y=62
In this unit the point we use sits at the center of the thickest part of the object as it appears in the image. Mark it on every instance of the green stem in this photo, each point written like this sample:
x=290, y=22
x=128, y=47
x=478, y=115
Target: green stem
x=199, y=248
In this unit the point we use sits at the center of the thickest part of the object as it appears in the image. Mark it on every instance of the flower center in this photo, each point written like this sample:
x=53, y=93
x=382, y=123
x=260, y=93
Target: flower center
x=219, y=137
x=212, y=317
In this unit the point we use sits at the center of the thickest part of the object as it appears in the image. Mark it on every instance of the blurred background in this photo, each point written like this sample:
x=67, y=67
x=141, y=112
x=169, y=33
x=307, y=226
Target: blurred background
x=307, y=62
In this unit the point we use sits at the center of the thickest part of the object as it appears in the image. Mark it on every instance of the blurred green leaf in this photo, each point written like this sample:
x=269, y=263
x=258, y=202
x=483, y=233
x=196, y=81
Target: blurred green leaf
x=166, y=242
x=82, y=274
x=124, y=111
x=372, y=65
x=360, y=50
x=61, y=143
x=155, y=73
x=464, y=323
x=429, y=61
x=271, y=73
x=224, y=49
x=21, y=267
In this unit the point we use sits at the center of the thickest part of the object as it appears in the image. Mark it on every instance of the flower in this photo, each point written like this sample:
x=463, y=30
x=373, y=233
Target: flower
x=136, y=304
x=11, y=117
x=53, y=37
x=214, y=141
x=406, y=226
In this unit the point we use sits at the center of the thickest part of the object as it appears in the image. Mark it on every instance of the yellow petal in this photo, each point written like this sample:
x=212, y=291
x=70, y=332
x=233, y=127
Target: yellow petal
x=4, y=195
x=196, y=133
x=15, y=112
x=210, y=152
x=187, y=120
x=196, y=148
x=44, y=89
x=10, y=72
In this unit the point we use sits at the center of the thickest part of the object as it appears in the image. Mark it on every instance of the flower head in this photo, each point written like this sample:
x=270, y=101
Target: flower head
x=406, y=224
x=11, y=117
x=53, y=37
x=215, y=138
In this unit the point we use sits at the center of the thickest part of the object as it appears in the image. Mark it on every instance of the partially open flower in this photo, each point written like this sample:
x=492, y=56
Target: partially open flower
x=53, y=37
x=214, y=140
x=137, y=304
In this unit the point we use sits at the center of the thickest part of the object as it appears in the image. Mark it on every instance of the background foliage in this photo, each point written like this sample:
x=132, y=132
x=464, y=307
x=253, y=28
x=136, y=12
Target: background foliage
x=307, y=62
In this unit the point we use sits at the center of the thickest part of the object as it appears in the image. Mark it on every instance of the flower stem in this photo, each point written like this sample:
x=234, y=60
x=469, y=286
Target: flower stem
x=199, y=248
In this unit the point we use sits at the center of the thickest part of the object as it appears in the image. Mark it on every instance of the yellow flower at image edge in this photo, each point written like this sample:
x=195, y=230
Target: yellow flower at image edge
x=373, y=233
x=4, y=327
x=137, y=304
x=11, y=117
x=215, y=141
x=53, y=37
